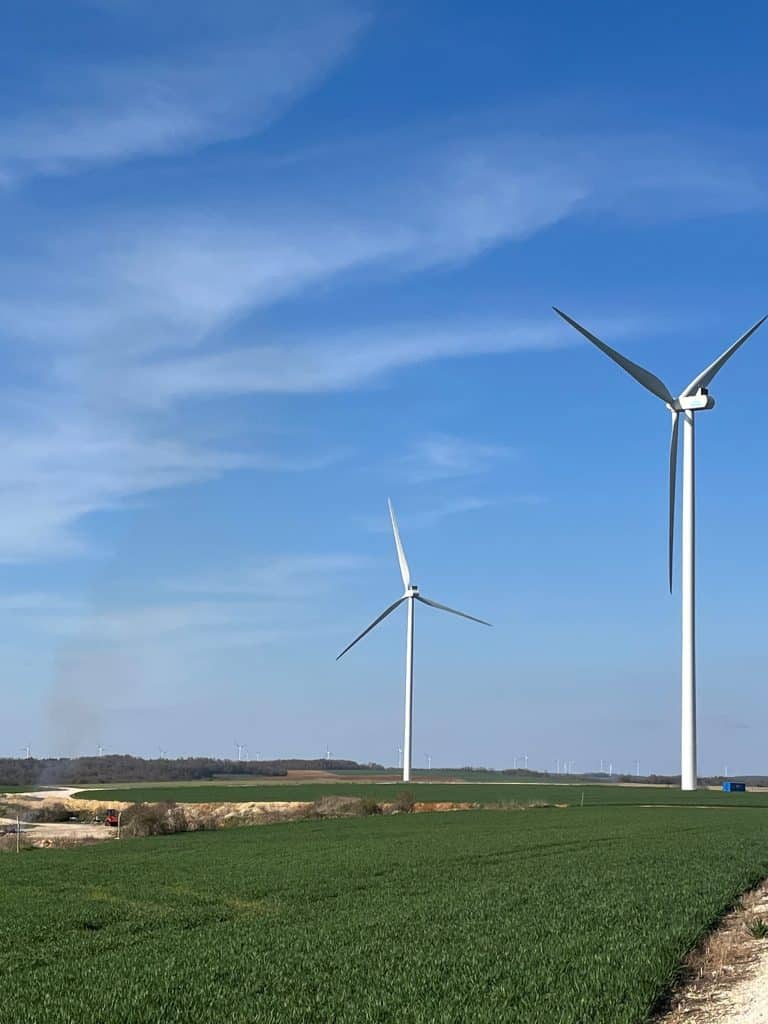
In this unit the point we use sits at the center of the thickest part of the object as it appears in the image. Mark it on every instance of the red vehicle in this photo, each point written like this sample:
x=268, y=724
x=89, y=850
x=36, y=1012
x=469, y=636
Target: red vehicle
x=110, y=818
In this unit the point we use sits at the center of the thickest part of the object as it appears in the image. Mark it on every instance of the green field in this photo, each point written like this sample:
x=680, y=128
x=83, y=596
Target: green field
x=428, y=791
x=544, y=917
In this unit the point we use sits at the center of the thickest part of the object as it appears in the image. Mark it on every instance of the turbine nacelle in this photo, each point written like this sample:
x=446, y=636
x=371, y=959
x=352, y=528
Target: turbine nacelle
x=693, y=403
x=411, y=591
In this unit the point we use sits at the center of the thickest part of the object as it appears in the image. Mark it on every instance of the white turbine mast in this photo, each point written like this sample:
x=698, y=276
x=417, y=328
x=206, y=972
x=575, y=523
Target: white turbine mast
x=240, y=748
x=411, y=596
x=694, y=398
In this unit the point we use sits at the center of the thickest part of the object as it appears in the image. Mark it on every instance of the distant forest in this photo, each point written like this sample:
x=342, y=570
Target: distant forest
x=32, y=771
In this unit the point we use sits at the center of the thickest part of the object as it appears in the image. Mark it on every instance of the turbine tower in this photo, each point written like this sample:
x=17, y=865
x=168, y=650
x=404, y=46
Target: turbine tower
x=695, y=398
x=411, y=595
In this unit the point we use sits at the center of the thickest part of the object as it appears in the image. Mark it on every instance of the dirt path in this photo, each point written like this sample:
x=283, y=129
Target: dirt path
x=727, y=979
x=62, y=793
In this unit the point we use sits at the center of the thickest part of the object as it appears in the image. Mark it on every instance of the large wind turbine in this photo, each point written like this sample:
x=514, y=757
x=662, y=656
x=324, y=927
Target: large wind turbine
x=411, y=595
x=695, y=398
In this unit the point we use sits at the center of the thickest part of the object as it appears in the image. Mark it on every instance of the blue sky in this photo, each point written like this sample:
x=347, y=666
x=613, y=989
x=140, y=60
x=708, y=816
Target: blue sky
x=266, y=265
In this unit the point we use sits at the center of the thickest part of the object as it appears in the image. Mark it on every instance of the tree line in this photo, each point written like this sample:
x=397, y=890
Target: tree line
x=33, y=771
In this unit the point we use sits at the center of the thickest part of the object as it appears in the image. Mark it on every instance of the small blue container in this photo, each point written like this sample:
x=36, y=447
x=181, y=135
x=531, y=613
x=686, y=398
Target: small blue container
x=734, y=787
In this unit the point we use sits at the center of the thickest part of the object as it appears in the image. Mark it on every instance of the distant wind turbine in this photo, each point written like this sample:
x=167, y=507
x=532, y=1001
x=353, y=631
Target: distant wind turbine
x=240, y=748
x=411, y=595
x=694, y=398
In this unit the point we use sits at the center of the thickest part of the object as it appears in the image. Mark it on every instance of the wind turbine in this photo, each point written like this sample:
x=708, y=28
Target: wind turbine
x=411, y=595
x=240, y=749
x=694, y=398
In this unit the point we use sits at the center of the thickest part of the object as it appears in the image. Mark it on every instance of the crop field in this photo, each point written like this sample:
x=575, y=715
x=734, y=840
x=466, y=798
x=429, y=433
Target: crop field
x=459, y=792
x=547, y=917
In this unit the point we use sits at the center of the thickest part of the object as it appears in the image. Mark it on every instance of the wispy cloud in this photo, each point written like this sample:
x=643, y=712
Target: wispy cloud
x=146, y=281
x=60, y=468
x=442, y=456
x=429, y=515
x=224, y=88
x=131, y=319
x=74, y=623
x=328, y=361
x=295, y=576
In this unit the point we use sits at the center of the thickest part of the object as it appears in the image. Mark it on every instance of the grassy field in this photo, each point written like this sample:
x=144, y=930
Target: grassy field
x=456, y=792
x=546, y=917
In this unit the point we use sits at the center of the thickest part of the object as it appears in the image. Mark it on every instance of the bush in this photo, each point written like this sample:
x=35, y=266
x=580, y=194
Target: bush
x=369, y=806
x=338, y=807
x=404, y=802
x=160, y=819
x=8, y=843
x=53, y=813
x=207, y=822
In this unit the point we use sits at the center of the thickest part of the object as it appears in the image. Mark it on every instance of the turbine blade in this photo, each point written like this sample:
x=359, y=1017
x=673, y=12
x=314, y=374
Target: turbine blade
x=375, y=622
x=445, y=608
x=672, y=486
x=642, y=376
x=405, y=572
x=706, y=376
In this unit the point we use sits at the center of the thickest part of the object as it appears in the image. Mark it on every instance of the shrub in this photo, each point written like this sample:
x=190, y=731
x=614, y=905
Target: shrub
x=369, y=806
x=404, y=802
x=154, y=819
x=206, y=822
x=53, y=813
x=338, y=807
x=8, y=842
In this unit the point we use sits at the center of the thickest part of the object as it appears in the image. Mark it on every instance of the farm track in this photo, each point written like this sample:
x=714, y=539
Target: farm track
x=725, y=980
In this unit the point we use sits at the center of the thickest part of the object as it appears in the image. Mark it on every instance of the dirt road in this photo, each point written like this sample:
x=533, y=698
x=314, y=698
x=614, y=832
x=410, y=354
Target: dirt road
x=727, y=978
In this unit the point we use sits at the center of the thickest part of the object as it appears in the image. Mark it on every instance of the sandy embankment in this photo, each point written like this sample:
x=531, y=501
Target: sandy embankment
x=204, y=814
